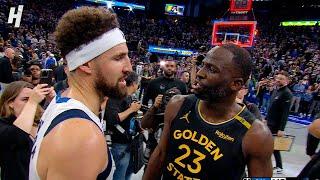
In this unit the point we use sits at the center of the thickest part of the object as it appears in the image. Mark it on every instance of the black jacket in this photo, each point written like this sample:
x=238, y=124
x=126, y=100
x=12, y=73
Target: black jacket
x=15, y=151
x=278, y=112
x=113, y=107
x=5, y=70
x=160, y=86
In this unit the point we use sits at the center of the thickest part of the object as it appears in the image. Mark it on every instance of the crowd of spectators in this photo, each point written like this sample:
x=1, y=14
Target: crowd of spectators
x=294, y=49
x=31, y=48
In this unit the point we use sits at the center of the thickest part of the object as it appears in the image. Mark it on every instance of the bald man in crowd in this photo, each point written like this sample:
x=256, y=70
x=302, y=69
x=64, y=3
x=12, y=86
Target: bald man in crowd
x=6, y=69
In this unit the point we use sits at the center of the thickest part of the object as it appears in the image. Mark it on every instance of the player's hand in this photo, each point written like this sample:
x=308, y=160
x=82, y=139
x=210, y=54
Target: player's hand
x=51, y=94
x=135, y=106
x=38, y=93
x=280, y=133
x=158, y=101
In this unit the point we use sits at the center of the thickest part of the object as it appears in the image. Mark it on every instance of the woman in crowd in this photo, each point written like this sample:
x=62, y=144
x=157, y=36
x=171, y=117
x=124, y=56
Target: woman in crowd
x=20, y=113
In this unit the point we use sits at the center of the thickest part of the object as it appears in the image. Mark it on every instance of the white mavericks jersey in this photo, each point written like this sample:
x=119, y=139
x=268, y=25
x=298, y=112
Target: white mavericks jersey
x=60, y=109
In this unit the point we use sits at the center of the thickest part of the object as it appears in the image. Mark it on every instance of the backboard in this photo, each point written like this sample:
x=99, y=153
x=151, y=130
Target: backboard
x=237, y=32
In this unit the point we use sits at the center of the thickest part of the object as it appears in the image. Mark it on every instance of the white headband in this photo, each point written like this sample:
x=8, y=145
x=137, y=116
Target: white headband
x=86, y=52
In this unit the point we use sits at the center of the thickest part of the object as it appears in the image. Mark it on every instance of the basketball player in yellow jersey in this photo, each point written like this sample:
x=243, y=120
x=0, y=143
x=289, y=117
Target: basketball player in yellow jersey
x=211, y=136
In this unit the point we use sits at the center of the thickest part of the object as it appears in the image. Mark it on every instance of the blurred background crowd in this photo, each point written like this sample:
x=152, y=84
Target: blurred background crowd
x=293, y=49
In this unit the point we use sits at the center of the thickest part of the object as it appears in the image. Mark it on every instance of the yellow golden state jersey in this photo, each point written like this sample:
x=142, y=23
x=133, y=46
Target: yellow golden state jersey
x=199, y=149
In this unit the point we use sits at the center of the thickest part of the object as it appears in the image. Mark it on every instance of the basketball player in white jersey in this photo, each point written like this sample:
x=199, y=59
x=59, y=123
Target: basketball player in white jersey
x=70, y=143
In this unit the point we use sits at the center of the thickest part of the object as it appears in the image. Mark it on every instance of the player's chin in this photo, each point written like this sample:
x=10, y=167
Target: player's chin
x=198, y=91
x=201, y=96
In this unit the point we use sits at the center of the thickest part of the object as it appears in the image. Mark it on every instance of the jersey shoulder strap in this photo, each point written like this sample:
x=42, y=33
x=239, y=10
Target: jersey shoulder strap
x=71, y=113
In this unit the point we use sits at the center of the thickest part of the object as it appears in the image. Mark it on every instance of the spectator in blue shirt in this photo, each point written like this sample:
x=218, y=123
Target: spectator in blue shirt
x=51, y=62
x=267, y=96
x=251, y=97
x=298, y=91
x=306, y=101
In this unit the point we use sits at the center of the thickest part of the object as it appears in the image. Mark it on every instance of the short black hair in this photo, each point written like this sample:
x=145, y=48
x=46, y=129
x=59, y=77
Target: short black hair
x=34, y=63
x=132, y=78
x=242, y=59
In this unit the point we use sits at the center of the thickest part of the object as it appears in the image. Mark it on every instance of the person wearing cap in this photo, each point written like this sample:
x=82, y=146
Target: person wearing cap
x=70, y=143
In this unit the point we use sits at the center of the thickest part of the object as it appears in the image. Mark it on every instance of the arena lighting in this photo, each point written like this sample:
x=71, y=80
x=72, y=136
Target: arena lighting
x=110, y=4
x=162, y=63
x=234, y=25
x=171, y=51
x=298, y=23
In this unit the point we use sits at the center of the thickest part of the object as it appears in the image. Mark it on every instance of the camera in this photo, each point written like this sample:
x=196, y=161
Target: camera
x=166, y=98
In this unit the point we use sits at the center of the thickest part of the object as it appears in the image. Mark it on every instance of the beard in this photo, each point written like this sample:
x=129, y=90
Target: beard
x=104, y=87
x=213, y=94
x=168, y=73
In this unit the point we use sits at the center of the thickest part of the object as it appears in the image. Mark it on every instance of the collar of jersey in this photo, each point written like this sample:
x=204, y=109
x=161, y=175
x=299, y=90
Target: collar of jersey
x=200, y=114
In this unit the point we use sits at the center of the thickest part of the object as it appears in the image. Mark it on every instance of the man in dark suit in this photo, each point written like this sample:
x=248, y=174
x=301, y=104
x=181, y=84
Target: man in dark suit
x=6, y=76
x=278, y=112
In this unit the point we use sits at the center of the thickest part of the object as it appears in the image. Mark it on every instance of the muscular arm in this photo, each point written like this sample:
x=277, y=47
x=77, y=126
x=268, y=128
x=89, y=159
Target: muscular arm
x=257, y=147
x=75, y=149
x=158, y=157
x=313, y=137
x=314, y=128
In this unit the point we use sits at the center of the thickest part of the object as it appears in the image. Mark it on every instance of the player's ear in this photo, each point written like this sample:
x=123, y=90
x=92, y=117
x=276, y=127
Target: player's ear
x=237, y=84
x=87, y=67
